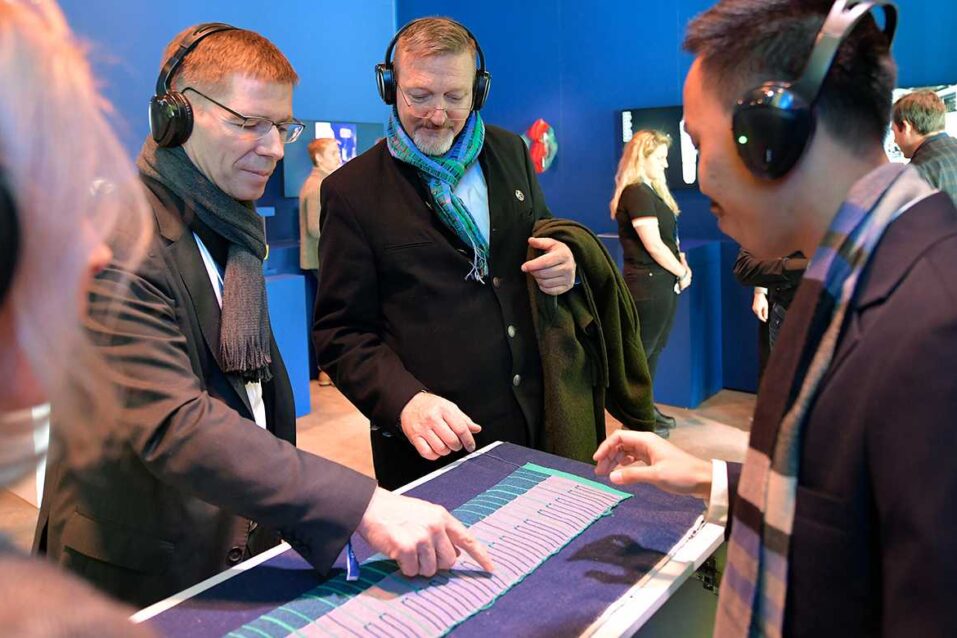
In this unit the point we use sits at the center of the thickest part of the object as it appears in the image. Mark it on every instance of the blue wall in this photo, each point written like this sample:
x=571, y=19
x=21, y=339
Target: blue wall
x=333, y=45
x=577, y=63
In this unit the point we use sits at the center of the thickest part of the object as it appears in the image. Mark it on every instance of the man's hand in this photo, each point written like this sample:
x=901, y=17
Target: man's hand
x=423, y=538
x=643, y=457
x=554, y=272
x=436, y=426
x=759, y=305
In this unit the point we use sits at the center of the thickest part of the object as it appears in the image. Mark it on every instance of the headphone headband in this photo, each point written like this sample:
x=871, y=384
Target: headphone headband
x=385, y=71
x=773, y=123
x=395, y=40
x=843, y=17
x=202, y=31
x=9, y=239
x=171, y=115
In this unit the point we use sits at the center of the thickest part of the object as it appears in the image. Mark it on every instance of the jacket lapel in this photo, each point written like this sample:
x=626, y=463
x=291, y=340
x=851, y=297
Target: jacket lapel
x=192, y=270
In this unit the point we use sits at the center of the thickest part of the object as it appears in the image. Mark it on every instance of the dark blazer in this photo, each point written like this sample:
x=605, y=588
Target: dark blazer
x=936, y=159
x=168, y=499
x=396, y=316
x=872, y=549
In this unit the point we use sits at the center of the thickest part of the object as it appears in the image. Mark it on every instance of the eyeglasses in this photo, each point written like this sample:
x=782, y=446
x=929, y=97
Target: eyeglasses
x=259, y=127
x=422, y=108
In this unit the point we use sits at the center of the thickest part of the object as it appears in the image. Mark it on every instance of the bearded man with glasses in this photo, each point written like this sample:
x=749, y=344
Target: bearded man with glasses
x=423, y=318
x=203, y=471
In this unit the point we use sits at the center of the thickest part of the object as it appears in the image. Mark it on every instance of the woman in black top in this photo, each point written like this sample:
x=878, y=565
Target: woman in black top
x=655, y=269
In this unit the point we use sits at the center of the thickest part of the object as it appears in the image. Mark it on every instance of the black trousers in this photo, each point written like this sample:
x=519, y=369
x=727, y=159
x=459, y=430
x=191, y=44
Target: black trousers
x=656, y=301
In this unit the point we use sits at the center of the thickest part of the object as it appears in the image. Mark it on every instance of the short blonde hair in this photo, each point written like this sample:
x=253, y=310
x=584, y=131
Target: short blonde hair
x=319, y=145
x=221, y=55
x=431, y=36
x=72, y=184
x=631, y=167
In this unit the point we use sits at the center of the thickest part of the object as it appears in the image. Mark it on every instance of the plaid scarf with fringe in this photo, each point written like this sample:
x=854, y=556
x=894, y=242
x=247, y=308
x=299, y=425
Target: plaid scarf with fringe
x=442, y=174
x=754, y=586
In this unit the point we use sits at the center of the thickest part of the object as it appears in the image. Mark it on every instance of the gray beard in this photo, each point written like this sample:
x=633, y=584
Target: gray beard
x=431, y=144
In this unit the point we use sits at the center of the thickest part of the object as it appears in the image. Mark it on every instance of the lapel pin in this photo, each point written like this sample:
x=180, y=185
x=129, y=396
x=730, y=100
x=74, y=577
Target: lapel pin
x=519, y=195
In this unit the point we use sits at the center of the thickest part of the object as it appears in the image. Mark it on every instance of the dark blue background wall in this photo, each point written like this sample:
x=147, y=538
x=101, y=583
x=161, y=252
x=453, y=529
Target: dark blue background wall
x=577, y=63
x=333, y=45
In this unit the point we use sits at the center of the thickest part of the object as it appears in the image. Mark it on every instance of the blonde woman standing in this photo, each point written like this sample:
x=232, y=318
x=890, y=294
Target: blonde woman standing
x=647, y=215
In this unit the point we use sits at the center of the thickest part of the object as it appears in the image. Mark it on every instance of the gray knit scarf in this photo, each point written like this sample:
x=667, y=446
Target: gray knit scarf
x=244, y=334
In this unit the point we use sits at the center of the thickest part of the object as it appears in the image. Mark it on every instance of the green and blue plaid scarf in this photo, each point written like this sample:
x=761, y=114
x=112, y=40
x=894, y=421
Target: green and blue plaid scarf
x=754, y=587
x=442, y=175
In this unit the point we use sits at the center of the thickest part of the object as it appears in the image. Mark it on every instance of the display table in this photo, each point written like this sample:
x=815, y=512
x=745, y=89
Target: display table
x=608, y=581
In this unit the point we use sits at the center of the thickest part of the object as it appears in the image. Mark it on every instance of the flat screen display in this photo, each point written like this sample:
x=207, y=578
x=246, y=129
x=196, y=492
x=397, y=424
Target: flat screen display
x=682, y=169
x=353, y=137
x=947, y=93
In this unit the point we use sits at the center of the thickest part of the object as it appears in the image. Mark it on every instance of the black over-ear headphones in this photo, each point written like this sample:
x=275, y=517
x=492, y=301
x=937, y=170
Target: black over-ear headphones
x=171, y=115
x=773, y=123
x=9, y=239
x=385, y=72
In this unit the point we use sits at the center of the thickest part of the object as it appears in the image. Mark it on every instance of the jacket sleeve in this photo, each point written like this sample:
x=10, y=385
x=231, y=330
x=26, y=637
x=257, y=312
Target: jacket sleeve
x=197, y=443
x=734, y=476
x=910, y=433
x=347, y=323
x=750, y=271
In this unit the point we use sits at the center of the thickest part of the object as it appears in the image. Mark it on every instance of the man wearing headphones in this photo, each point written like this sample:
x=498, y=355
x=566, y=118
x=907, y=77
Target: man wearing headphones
x=423, y=318
x=204, y=472
x=842, y=511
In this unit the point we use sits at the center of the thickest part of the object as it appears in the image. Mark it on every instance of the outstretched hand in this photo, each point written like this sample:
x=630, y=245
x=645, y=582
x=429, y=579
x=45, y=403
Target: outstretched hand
x=421, y=537
x=642, y=457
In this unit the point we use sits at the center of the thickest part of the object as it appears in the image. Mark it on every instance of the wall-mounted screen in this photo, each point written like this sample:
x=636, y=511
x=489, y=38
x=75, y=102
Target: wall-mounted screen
x=682, y=157
x=353, y=138
x=947, y=93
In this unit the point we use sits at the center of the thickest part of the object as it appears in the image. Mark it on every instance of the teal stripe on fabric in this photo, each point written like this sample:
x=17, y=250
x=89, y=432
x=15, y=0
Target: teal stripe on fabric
x=293, y=616
x=578, y=479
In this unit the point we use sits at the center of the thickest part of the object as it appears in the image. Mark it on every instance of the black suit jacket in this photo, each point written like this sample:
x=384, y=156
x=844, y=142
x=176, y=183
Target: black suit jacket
x=872, y=550
x=168, y=498
x=396, y=316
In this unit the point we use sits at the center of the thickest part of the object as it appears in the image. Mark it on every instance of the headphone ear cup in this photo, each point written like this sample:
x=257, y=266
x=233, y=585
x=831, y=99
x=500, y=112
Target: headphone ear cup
x=385, y=82
x=9, y=240
x=770, y=139
x=483, y=82
x=171, y=119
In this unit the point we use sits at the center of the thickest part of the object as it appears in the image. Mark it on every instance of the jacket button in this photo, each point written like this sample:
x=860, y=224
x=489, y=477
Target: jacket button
x=516, y=380
x=234, y=555
x=497, y=282
x=511, y=331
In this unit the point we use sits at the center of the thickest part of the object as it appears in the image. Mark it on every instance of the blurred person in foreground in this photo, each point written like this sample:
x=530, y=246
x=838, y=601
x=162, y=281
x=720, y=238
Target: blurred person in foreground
x=65, y=183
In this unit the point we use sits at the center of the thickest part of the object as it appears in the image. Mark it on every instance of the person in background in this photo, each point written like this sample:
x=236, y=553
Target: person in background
x=777, y=280
x=655, y=269
x=203, y=471
x=63, y=189
x=840, y=516
x=325, y=156
x=918, y=121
